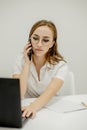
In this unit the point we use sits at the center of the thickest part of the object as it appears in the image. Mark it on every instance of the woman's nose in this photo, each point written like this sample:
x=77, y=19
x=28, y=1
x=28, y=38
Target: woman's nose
x=39, y=43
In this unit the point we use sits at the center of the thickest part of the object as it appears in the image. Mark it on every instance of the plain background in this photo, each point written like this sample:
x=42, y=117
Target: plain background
x=70, y=18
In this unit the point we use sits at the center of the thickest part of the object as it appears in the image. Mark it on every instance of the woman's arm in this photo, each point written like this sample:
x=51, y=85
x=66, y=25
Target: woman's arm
x=23, y=79
x=23, y=76
x=43, y=99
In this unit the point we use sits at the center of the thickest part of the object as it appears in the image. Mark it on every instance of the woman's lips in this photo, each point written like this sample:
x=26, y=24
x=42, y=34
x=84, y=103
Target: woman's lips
x=38, y=49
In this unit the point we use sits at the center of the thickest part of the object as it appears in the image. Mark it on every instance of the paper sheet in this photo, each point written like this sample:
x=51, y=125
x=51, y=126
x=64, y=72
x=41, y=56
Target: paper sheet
x=65, y=106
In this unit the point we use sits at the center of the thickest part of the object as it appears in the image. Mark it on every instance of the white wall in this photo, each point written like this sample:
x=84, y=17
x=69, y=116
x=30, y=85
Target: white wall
x=70, y=17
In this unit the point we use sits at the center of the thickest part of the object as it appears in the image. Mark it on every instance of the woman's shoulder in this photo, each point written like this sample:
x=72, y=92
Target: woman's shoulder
x=61, y=64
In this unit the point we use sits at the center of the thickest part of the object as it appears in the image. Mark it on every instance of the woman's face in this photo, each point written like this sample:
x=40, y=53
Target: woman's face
x=42, y=40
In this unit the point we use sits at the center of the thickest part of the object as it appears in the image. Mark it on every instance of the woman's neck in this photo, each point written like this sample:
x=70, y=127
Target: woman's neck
x=39, y=61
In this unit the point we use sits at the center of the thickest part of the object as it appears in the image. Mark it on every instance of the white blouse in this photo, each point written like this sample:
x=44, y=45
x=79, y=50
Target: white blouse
x=47, y=73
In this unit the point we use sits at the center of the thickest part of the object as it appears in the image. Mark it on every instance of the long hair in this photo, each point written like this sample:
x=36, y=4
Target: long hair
x=53, y=56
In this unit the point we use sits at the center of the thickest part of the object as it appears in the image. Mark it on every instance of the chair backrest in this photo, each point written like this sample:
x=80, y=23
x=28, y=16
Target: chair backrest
x=68, y=87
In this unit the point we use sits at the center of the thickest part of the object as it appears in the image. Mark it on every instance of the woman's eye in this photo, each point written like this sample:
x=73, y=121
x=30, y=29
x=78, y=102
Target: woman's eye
x=35, y=38
x=45, y=40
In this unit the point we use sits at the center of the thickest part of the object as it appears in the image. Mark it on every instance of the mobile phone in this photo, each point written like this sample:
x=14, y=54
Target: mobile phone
x=30, y=51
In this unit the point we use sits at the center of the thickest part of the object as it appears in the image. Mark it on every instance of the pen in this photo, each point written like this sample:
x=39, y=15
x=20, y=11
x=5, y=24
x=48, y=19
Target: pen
x=76, y=110
x=84, y=104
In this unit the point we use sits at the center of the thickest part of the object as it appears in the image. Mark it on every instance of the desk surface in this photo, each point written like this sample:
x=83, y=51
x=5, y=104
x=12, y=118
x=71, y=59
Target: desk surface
x=50, y=120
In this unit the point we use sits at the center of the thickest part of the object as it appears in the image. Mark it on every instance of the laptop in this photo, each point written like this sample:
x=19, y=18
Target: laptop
x=10, y=103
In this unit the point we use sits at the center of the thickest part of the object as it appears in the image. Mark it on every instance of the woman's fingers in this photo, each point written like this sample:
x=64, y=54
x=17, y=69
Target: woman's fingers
x=23, y=108
x=27, y=49
x=24, y=113
x=27, y=46
x=28, y=112
x=31, y=114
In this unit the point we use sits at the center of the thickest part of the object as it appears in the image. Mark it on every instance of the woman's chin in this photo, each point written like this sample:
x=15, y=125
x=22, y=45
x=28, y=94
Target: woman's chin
x=39, y=54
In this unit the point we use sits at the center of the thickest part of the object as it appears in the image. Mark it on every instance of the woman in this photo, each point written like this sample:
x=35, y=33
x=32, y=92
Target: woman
x=42, y=74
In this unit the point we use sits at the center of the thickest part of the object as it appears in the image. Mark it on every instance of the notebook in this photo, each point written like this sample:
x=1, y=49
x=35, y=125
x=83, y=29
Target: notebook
x=10, y=103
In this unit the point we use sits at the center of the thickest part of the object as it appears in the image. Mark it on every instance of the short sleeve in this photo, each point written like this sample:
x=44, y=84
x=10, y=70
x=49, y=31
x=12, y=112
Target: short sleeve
x=62, y=71
x=18, y=64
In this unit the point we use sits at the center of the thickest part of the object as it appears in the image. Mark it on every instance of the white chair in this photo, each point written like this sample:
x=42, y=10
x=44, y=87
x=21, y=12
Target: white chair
x=68, y=87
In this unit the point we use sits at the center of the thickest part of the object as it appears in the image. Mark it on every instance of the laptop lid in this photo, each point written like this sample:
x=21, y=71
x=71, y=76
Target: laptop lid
x=10, y=103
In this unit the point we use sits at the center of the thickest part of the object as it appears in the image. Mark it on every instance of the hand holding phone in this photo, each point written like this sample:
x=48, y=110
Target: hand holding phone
x=30, y=52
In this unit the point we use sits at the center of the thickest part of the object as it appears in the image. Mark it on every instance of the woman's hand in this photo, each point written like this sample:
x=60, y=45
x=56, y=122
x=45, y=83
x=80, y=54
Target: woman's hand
x=27, y=48
x=28, y=111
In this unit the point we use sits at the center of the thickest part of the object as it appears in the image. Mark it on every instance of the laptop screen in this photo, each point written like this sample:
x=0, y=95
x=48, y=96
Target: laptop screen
x=10, y=103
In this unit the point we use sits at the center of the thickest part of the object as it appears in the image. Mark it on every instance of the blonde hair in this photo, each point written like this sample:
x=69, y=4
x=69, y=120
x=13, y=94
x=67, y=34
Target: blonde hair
x=52, y=56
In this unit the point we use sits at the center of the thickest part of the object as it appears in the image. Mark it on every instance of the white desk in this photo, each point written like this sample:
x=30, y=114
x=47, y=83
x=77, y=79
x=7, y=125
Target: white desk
x=50, y=120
